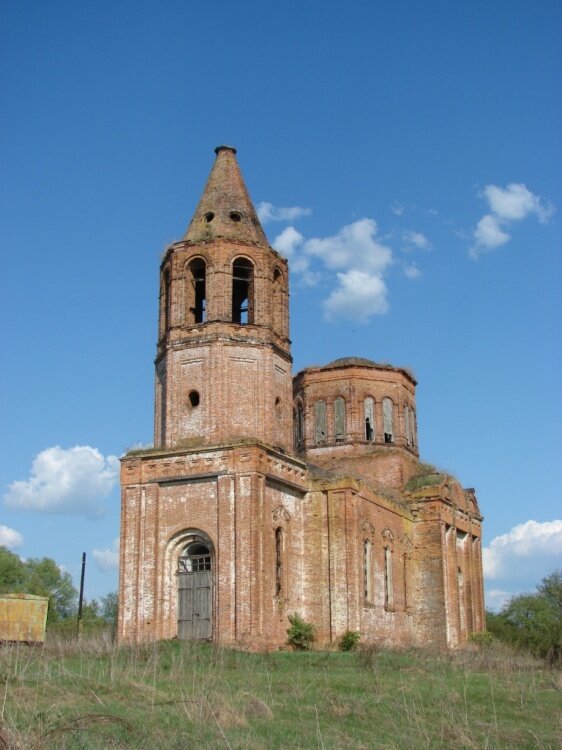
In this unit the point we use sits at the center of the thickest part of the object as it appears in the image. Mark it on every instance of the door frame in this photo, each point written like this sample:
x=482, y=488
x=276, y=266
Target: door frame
x=182, y=541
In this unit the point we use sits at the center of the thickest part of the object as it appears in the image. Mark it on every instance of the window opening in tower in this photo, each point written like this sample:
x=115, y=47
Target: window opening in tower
x=242, y=292
x=387, y=409
x=320, y=420
x=369, y=414
x=198, y=307
x=339, y=418
x=166, y=309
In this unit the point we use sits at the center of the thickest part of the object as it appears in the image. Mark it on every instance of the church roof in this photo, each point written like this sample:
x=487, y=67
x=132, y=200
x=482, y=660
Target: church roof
x=344, y=362
x=350, y=361
x=225, y=210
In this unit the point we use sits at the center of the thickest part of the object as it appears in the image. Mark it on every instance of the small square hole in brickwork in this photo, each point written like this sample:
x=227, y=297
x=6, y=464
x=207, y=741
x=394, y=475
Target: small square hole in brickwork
x=193, y=398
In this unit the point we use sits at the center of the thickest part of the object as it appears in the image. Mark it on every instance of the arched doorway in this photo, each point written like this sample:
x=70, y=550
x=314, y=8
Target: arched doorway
x=195, y=591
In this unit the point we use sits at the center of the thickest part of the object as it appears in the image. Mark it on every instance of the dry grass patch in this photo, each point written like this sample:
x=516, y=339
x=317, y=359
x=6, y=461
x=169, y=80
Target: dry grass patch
x=91, y=695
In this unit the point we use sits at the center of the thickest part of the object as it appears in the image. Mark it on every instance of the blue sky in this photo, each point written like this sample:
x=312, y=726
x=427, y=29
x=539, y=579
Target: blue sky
x=419, y=147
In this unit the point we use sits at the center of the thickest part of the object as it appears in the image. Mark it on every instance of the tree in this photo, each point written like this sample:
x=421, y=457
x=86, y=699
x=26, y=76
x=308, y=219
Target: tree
x=550, y=588
x=12, y=571
x=534, y=620
x=109, y=608
x=41, y=577
x=100, y=615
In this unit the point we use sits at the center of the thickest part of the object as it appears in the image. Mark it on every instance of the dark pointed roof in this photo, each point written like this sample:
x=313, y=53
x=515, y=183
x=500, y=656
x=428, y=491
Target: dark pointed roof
x=225, y=210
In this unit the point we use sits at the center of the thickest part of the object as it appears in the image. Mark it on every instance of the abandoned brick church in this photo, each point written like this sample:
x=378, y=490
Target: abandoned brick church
x=267, y=494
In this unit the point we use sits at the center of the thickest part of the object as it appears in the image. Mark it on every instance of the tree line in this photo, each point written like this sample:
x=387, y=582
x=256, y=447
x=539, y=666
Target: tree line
x=533, y=621
x=43, y=577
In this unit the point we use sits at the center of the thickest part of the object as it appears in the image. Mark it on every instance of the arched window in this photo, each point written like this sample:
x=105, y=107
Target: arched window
x=196, y=557
x=242, y=291
x=196, y=291
x=320, y=421
x=388, y=590
x=161, y=400
x=165, y=302
x=339, y=418
x=407, y=430
x=368, y=571
x=278, y=326
x=460, y=588
x=369, y=416
x=388, y=429
x=413, y=427
x=406, y=579
x=278, y=561
x=299, y=424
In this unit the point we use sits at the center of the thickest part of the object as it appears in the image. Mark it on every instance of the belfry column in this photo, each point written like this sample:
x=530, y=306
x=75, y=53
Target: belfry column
x=223, y=364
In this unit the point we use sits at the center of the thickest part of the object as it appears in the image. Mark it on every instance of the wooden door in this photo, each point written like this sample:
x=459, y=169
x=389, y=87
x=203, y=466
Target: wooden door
x=195, y=609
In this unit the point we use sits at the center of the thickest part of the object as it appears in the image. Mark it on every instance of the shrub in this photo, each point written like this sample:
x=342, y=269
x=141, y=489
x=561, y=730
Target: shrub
x=483, y=639
x=349, y=640
x=301, y=634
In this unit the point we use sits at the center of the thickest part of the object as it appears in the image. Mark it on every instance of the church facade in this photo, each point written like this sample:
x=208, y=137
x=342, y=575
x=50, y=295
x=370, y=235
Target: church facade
x=267, y=494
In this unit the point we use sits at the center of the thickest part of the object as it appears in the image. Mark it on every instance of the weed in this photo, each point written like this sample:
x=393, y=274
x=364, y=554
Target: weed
x=301, y=634
x=349, y=640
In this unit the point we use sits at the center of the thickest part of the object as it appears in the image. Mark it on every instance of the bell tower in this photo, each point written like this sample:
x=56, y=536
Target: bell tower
x=223, y=364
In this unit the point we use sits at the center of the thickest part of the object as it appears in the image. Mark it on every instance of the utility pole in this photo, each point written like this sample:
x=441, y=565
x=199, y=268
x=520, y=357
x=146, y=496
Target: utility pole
x=81, y=598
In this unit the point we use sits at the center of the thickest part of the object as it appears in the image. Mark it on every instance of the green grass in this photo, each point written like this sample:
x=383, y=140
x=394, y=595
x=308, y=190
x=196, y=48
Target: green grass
x=427, y=475
x=172, y=695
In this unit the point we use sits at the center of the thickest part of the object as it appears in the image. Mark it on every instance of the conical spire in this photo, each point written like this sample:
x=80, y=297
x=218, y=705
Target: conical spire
x=225, y=210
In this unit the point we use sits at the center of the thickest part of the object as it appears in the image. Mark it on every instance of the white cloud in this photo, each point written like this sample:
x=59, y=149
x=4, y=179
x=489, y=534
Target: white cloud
x=507, y=205
x=354, y=247
x=515, y=202
x=288, y=241
x=397, y=209
x=358, y=296
x=417, y=239
x=411, y=271
x=10, y=538
x=488, y=234
x=73, y=480
x=354, y=259
x=107, y=558
x=525, y=543
x=267, y=212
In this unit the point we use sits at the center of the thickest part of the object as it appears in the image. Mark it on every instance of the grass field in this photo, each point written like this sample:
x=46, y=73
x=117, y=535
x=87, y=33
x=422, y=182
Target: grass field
x=175, y=695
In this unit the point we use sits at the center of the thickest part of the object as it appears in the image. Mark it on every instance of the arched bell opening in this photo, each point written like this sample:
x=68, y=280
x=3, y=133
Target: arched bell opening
x=242, y=291
x=196, y=291
x=278, y=302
